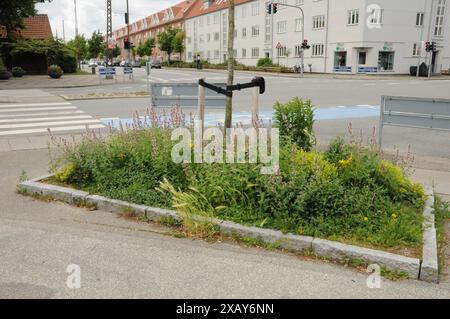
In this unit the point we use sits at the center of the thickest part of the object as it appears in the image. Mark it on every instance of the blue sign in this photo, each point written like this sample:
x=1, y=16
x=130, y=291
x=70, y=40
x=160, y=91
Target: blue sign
x=345, y=69
x=107, y=71
x=127, y=70
x=367, y=69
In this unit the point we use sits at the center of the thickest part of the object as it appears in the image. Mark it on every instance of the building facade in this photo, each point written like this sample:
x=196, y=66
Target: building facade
x=346, y=36
x=151, y=26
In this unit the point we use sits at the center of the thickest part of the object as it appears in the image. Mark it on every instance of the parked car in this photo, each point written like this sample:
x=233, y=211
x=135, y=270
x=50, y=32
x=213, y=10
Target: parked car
x=155, y=64
x=116, y=63
x=125, y=63
x=136, y=64
x=93, y=64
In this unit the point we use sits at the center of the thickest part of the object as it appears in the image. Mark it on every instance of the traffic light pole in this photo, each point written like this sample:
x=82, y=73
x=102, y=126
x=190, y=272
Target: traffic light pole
x=302, y=55
x=128, y=32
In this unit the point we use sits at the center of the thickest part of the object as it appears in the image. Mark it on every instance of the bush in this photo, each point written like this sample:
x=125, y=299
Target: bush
x=17, y=71
x=54, y=71
x=295, y=120
x=264, y=62
x=4, y=73
x=67, y=61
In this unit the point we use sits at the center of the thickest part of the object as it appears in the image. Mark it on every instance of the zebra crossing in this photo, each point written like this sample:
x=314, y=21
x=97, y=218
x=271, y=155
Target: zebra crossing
x=36, y=118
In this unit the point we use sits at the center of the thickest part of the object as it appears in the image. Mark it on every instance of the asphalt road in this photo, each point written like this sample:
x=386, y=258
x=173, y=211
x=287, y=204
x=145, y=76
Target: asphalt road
x=124, y=259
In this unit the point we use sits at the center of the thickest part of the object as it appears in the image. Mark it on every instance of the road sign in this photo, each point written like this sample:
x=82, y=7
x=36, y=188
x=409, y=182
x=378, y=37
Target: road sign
x=107, y=71
x=422, y=113
x=127, y=70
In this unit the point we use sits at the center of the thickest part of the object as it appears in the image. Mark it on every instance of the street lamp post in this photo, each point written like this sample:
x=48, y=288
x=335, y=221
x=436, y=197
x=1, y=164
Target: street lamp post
x=128, y=33
x=302, y=56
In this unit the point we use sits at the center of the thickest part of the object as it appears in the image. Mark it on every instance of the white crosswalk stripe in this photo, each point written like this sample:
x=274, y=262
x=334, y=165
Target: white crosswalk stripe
x=34, y=118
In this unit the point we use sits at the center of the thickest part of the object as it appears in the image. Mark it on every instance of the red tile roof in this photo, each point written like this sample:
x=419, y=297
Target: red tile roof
x=215, y=5
x=179, y=11
x=36, y=27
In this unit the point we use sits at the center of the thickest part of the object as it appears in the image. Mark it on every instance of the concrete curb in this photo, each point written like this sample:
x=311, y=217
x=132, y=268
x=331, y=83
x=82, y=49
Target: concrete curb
x=413, y=267
x=83, y=98
x=429, y=270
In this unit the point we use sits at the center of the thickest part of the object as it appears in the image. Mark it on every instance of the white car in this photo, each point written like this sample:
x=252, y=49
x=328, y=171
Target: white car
x=93, y=64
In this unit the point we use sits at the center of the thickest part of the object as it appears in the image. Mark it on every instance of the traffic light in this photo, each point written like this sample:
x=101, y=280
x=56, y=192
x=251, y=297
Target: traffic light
x=126, y=43
x=433, y=47
x=126, y=18
x=269, y=8
x=275, y=8
x=305, y=45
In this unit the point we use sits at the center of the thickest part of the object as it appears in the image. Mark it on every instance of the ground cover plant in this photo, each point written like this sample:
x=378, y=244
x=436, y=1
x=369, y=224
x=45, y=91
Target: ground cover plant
x=348, y=192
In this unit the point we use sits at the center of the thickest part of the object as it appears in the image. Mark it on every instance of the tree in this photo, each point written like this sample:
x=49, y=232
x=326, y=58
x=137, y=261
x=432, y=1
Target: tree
x=116, y=51
x=12, y=13
x=79, y=46
x=146, y=48
x=166, y=40
x=96, y=45
x=178, y=42
x=230, y=67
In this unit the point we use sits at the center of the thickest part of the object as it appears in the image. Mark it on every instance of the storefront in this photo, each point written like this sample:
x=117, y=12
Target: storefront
x=386, y=58
x=340, y=60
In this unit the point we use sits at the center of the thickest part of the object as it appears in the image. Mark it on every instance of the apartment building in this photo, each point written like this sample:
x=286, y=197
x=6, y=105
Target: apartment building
x=151, y=26
x=346, y=36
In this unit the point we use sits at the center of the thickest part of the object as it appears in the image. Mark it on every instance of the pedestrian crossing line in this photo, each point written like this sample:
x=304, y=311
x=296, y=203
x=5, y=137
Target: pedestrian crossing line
x=40, y=109
x=33, y=104
x=52, y=129
x=41, y=114
x=37, y=119
x=48, y=124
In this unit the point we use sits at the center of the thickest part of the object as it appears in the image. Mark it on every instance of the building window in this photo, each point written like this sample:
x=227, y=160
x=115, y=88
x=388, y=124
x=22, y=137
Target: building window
x=216, y=36
x=216, y=54
x=298, y=25
x=362, y=57
x=216, y=18
x=318, y=22
x=420, y=19
x=353, y=17
x=318, y=50
x=281, y=26
x=340, y=59
x=439, y=21
x=255, y=52
x=244, y=32
x=255, y=9
x=244, y=53
x=244, y=12
x=281, y=52
x=417, y=49
x=376, y=17
x=255, y=31
x=386, y=61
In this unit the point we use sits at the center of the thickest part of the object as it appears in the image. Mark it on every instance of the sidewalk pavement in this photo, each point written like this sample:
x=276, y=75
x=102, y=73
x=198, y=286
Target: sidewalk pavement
x=44, y=81
x=119, y=258
x=307, y=75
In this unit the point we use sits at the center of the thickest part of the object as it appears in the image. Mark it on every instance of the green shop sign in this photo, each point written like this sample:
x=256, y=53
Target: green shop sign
x=387, y=46
x=340, y=47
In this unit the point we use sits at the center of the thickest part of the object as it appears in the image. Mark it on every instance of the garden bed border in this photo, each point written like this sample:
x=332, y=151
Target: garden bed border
x=426, y=270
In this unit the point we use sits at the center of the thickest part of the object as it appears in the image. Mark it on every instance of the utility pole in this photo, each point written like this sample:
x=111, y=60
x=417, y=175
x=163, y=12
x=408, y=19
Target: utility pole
x=230, y=67
x=419, y=56
x=64, y=32
x=76, y=18
x=109, y=30
x=430, y=56
x=128, y=32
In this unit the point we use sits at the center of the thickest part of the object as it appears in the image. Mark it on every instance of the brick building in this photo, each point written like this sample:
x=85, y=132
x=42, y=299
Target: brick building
x=152, y=25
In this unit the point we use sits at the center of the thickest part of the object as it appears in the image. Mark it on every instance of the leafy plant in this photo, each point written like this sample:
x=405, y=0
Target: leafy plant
x=295, y=119
x=264, y=62
x=17, y=71
x=55, y=71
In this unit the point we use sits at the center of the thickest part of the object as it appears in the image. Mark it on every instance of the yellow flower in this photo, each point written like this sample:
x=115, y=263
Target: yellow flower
x=347, y=162
x=394, y=216
x=366, y=218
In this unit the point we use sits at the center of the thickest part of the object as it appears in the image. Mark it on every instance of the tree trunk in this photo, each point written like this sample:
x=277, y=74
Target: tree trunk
x=230, y=79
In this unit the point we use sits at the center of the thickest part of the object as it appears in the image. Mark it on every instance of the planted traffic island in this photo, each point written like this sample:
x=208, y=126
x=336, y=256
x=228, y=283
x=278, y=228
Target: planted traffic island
x=347, y=204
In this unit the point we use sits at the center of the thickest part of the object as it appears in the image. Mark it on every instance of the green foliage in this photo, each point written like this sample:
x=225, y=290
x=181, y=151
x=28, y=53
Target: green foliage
x=146, y=48
x=169, y=40
x=2, y=66
x=96, y=45
x=347, y=193
x=79, y=46
x=295, y=120
x=264, y=62
x=55, y=71
x=54, y=51
x=17, y=71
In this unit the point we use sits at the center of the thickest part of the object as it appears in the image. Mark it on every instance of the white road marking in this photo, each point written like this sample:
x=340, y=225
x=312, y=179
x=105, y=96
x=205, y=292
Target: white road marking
x=40, y=109
x=41, y=114
x=55, y=129
x=34, y=104
x=48, y=124
x=37, y=119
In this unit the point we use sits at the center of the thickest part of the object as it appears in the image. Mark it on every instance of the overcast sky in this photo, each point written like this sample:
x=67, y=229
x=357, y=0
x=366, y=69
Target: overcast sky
x=92, y=14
